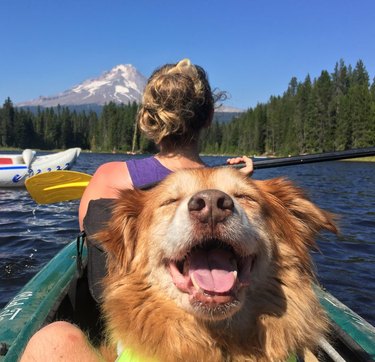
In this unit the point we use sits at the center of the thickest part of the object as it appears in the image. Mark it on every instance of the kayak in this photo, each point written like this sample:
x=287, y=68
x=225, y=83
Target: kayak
x=55, y=293
x=16, y=168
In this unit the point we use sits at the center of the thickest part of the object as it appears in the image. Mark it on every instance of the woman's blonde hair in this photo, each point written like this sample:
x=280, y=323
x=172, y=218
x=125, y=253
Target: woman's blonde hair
x=177, y=103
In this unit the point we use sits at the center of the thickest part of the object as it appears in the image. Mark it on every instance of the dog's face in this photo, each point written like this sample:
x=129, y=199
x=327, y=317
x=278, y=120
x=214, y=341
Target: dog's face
x=210, y=240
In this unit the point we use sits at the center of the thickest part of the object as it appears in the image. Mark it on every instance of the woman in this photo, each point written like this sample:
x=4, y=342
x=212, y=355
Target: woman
x=177, y=104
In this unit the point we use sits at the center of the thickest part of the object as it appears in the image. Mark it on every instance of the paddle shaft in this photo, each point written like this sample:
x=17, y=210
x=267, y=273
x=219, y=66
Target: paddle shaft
x=317, y=157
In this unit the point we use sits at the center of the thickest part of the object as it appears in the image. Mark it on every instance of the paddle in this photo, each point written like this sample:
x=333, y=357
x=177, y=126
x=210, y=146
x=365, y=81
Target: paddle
x=56, y=186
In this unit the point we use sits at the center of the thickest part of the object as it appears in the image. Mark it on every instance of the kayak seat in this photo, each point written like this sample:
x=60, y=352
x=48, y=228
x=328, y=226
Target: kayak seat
x=98, y=214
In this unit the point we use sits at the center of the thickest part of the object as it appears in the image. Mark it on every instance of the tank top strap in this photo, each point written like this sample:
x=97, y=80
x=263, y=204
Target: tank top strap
x=145, y=171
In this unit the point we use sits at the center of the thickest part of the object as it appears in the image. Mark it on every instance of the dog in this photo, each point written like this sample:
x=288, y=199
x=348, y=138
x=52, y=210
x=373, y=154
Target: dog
x=210, y=265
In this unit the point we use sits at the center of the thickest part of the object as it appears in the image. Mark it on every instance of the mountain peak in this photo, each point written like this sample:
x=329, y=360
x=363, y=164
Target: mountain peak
x=122, y=84
x=123, y=68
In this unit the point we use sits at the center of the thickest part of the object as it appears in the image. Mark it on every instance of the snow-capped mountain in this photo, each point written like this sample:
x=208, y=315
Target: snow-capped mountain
x=122, y=84
x=228, y=109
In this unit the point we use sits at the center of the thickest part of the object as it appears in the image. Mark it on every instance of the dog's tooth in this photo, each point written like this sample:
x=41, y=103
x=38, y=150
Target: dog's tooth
x=235, y=274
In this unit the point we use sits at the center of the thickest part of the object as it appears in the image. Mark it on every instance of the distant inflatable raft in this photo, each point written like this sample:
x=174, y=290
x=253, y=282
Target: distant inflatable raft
x=15, y=169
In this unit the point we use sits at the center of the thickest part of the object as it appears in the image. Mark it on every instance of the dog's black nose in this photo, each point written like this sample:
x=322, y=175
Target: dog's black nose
x=210, y=206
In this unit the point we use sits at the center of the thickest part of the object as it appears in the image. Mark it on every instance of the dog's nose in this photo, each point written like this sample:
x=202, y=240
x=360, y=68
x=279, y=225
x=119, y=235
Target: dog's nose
x=210, y=206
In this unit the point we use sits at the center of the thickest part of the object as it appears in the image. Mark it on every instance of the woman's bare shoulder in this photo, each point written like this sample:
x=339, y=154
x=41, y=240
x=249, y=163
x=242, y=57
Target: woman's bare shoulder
x=110, y=167
x=113, y=174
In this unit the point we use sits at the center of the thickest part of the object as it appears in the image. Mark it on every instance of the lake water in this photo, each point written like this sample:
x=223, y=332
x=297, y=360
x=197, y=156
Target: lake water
x=31, y=234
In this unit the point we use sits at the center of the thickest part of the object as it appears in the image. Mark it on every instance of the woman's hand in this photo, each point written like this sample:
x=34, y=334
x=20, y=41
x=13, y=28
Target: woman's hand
x=248, y=169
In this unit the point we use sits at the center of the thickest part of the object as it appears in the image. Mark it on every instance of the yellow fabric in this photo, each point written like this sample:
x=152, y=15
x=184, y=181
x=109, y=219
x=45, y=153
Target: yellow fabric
x=130, y=356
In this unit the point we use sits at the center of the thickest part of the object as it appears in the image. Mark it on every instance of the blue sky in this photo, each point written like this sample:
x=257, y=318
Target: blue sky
x=249, y=48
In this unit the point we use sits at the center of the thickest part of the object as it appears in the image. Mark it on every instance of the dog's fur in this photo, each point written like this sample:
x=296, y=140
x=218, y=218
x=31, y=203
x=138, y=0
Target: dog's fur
x=270, y=312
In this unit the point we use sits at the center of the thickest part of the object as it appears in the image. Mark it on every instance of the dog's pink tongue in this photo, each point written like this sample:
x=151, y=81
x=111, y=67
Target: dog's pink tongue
x=212, y=270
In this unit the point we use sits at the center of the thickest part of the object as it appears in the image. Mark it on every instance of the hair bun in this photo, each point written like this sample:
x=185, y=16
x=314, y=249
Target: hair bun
x=180, y=66
x=177, y=102
x=184, y=66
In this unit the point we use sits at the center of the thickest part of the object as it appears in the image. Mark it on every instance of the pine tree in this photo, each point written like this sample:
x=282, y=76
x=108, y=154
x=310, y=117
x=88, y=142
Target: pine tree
x=325, y=122
x=257, y=132
x=360, y=105
x=312, y=130
x=371, y=128
x=340, y=87
x=301, y=113
x=272, y=125
x=24, y=135
x=7, y=127
x=66, y=136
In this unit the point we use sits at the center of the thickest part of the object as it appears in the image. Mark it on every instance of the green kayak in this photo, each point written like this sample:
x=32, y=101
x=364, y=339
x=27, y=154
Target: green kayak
x=48, y=297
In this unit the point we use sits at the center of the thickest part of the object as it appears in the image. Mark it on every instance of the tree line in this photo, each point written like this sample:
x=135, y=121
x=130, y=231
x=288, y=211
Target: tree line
x=335, y=111
x=332, y=112
x=60, y=127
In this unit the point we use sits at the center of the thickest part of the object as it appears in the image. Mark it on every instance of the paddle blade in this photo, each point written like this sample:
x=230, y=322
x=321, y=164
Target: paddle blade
x=57, y=186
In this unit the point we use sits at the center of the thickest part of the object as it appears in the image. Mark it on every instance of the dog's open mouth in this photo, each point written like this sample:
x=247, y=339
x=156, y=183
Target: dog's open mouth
x=212, y=273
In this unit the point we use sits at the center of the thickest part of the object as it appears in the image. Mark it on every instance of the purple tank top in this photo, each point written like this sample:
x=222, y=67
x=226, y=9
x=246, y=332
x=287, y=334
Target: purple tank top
x=144, y=171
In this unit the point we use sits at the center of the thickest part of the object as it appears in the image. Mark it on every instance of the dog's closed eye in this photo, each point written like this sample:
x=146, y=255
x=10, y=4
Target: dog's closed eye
x=169, y=202
x=244, y=197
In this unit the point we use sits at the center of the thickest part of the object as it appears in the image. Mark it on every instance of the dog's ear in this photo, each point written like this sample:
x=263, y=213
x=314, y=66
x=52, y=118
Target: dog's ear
x=305, y=218
x=118, y=239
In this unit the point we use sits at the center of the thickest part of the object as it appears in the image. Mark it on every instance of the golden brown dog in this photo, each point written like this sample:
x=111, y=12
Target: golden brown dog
x=212, y=266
